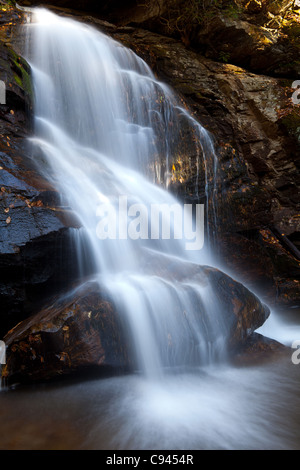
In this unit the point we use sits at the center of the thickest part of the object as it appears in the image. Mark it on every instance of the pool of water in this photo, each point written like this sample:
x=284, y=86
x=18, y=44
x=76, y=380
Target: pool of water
x=219, y=407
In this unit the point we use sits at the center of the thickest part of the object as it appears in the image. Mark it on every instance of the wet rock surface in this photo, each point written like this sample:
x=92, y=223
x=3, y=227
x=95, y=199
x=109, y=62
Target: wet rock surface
x=79, y=332
x=33, y=224
x=258, y=349
x=83, y=331
x=240, y=309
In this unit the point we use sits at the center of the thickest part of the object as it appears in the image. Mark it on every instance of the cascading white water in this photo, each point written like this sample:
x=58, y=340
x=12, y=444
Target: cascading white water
x=106, y=131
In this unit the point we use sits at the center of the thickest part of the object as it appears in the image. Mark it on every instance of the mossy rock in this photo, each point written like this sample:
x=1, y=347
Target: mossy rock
x=21, y=72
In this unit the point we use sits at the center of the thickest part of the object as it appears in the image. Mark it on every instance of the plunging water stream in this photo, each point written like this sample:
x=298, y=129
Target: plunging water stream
x=108, y=132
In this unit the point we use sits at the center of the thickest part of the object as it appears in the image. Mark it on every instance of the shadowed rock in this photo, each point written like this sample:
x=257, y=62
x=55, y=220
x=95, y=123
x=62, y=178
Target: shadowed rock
x=35, y=250
x=81, y=330
x=84, y=331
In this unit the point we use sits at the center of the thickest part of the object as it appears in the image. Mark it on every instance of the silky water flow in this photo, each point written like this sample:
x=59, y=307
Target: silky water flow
x=108, y=131
x=103, y=135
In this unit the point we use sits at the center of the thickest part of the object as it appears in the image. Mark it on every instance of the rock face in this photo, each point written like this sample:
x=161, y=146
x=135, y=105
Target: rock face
x=83, y=331
x=248, y=44
x=33, y=224
x=257, y=349
x=78, y=332
x=115, y=11
x=34, y=241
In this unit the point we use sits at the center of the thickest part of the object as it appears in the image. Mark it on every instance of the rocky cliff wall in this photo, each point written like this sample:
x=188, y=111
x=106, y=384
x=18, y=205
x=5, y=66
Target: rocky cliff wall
x=235, y=70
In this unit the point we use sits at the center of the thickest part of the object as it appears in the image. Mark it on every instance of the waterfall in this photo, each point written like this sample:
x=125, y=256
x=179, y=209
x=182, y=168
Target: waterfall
x=107, y=134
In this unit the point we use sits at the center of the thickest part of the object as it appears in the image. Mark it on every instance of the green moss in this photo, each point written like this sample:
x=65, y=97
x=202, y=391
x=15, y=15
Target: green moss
x=21, y=72
x=233, y=11
x=26, y=82
x=224, y=57
x=18, y=80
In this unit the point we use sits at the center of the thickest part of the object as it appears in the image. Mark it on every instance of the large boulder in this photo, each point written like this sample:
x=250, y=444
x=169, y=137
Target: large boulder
x=77, y=332
x=84, y=331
